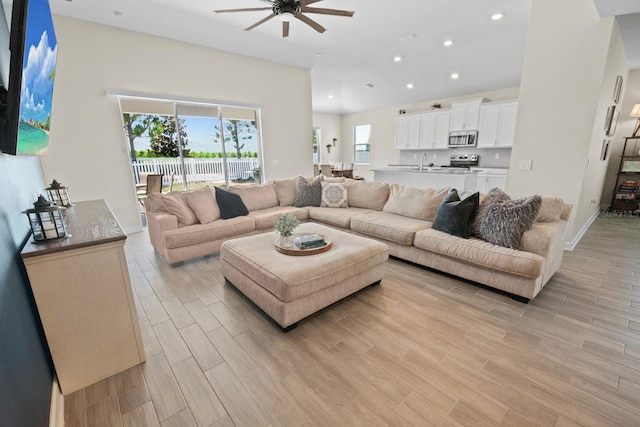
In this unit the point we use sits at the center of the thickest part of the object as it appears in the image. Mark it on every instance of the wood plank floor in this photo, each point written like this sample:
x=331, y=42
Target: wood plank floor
x=421, y=349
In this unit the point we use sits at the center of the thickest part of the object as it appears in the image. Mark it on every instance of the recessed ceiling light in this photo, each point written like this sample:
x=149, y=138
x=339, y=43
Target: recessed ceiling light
x=448, y=43
x=397, y=58
x=497, y=16
x=409, y=85
x=454, y=76
x=330, y=96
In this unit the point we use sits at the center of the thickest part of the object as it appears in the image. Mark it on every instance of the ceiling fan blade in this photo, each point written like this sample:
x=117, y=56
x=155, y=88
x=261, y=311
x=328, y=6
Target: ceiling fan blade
x=303, y=3
x=285, y=29
x=326, y=11
x=252, y=9
x=310, y=22
x=262, y=21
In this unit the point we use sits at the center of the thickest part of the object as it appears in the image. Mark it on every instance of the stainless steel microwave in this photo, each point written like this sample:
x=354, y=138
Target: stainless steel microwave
x=463, y=138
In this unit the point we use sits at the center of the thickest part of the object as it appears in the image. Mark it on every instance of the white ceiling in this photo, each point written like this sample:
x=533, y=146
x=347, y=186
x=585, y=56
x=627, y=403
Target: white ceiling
x=355, y=51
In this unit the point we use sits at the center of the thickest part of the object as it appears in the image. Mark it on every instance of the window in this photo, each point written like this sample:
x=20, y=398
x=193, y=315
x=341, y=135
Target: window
x=316, y=146
x=361, y=146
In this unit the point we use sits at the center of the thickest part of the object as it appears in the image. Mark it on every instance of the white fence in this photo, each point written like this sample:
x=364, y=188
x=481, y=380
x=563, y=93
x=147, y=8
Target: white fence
x=196, y=170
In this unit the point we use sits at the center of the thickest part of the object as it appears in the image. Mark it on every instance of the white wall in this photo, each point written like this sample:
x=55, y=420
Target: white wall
x=330, y=127
x=626, y=125
x=560, y=107
x=87, y=150
x=383, y=125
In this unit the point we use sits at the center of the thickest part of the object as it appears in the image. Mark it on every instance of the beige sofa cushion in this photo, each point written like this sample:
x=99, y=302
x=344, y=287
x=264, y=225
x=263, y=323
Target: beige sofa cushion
x=266, y=218
x=153, y=203
x=204, y=233
x=336, y=217
x=551, y=209
x=203, y=203
x=286, y=191
x=368, y=195
x=257, y=197
x=176, y=204
x=414, y=202
x=382, y=225
x=481, y=253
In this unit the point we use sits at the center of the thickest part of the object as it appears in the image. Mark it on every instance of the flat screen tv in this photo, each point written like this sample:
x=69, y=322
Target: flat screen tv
x=25, y=105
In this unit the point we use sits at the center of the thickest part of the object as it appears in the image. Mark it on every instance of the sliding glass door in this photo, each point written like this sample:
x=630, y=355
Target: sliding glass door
x=192, y=144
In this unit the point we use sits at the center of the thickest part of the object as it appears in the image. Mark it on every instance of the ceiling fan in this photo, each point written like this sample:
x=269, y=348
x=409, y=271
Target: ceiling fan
x=287, y=9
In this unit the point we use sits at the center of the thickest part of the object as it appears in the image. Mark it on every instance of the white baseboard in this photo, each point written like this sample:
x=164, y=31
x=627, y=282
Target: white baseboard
x=56, y=413
x=570, y=245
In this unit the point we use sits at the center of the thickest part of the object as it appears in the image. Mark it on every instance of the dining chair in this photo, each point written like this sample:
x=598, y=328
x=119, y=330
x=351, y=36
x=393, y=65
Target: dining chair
x=326, y=170
x=154, y=183
x=348, y=170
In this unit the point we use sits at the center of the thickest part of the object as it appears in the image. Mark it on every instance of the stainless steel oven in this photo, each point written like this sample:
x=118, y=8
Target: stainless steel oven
x=463, y=138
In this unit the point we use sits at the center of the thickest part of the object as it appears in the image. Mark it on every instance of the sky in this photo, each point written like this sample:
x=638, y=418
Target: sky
x=200, y=134
x=40, y=53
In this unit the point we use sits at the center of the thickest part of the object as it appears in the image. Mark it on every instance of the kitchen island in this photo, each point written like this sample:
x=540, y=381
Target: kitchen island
x=461, y=179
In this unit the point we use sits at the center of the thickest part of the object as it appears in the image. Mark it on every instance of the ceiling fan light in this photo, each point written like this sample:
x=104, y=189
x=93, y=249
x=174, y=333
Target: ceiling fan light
x=286, y=16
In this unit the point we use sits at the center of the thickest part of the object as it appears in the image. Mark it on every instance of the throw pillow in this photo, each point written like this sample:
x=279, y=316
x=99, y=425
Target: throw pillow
x=203, y=203
x=230, y=204
x=367, y=194
x=308, y=191
x=456, y=216
x=153, y=203
x=551, y=209
x=334, y=195
x=176, y=204
x=286, y=191
x=502, y=221
x=414, y=202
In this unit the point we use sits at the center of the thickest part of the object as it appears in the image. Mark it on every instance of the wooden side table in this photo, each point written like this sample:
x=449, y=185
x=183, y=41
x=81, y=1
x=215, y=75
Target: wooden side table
x=83, y=294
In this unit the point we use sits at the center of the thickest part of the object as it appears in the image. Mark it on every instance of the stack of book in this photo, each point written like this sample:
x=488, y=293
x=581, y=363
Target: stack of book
x=628, y=187
x=309, y=241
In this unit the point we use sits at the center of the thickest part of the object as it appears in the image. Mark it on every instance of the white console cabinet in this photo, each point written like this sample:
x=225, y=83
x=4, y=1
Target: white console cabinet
x=83, y=294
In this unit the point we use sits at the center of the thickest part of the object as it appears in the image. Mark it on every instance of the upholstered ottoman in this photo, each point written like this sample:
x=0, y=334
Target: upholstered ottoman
x=290, y=288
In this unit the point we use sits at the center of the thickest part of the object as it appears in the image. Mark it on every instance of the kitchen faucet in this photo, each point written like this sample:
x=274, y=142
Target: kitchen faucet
x=422, y=159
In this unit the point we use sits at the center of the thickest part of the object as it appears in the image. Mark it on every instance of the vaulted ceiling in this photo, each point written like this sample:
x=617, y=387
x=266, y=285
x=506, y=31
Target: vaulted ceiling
x=352, y=63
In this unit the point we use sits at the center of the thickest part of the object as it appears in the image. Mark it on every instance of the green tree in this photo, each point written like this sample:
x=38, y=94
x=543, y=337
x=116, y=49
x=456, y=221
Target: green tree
x=236, y=131
x=136, y=125
x=164, y=139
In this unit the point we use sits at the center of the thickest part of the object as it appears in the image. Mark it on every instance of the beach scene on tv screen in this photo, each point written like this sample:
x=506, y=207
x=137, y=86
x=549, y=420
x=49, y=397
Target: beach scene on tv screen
x=38, y=74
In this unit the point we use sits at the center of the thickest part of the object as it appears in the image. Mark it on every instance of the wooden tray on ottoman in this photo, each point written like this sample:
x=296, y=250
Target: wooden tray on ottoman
x=293, y=251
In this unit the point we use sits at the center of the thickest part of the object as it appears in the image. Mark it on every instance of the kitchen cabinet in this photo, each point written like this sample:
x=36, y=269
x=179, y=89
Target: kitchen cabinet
x=491, y=178
x=408, y=132
x=497, y=124
x=465, y=114
x=83, y=294
x=434, y=130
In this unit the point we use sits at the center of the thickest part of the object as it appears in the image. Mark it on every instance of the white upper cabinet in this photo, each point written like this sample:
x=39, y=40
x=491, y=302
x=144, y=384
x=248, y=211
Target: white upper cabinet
x=434, y=129
x=465, y=114
x=497, y=125
x=408, y=132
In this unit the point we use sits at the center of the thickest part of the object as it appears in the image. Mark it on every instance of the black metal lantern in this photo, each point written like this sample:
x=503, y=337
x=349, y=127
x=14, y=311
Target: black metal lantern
x=59, y=194
x=46, y=220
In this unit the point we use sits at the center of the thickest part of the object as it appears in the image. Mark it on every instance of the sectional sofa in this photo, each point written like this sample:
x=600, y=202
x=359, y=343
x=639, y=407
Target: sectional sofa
x=187, y=225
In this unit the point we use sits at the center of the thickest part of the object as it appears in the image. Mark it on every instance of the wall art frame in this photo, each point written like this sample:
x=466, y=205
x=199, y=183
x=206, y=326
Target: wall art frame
x=617, y=89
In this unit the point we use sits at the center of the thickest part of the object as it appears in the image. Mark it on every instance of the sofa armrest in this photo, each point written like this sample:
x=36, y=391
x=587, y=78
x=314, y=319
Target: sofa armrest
x=540, y=237
x=157, y=223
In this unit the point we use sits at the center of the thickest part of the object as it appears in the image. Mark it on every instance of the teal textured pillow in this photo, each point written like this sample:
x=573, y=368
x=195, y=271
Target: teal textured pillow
x=456, y=216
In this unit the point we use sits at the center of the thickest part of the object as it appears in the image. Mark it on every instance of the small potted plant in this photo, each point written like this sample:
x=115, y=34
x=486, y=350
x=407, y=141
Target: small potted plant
x=285, y=224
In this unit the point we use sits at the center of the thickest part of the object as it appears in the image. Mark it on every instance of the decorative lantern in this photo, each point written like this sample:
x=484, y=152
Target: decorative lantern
x=59, y=194
x=46, y=220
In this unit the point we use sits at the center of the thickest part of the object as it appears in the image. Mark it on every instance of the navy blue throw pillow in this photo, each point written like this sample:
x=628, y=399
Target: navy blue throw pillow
x=456, y=216
x=230, y=204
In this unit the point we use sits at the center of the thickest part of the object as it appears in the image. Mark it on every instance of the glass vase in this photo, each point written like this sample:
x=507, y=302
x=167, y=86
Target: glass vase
x=286, y=241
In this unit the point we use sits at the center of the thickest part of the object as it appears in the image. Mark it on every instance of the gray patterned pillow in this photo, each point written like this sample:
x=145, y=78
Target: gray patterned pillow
x=502, y=221
x=334, y=195
x=308, y=192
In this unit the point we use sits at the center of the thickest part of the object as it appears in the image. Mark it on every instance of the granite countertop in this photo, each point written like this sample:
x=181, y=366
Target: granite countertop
x=427, y=170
